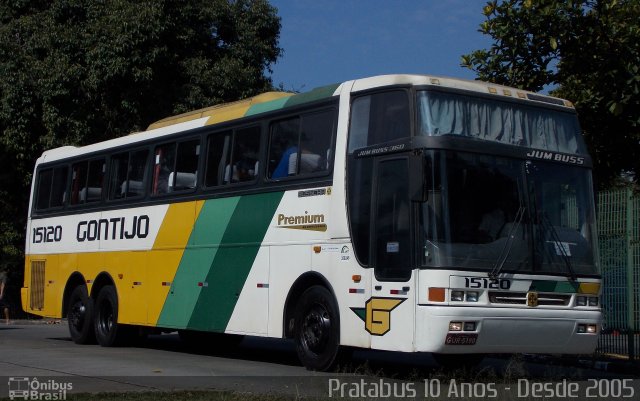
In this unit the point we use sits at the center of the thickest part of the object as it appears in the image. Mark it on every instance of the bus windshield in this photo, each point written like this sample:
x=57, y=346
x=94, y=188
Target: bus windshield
x=507, y=122
x=494, y=213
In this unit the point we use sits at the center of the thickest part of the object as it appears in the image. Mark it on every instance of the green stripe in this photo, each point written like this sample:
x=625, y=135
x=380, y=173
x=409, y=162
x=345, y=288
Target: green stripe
x=554, y=286
x=307, y=97
x=194, y=266
x=233, y=261
x=267, y=106
x=312, y=96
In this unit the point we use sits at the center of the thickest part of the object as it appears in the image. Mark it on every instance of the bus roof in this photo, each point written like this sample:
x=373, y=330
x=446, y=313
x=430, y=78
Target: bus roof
x=271, y=101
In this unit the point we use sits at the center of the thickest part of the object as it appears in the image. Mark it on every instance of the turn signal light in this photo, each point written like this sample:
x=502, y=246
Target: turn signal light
x=436, y=294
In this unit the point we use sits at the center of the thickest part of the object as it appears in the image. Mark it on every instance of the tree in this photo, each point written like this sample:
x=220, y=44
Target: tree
x=74, y=72
x=589, y=52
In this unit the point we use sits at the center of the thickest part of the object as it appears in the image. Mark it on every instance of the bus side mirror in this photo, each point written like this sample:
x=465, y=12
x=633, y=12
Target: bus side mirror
x=418, y=189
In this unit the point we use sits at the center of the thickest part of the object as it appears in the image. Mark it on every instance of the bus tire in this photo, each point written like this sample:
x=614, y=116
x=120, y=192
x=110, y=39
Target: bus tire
x=317, y=329
x=108, y=332
x=80, y=316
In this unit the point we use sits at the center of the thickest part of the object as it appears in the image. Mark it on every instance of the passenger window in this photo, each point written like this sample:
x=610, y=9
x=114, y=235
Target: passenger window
x=175, y=167
x=52, y=188
x=127, y=174
x=163, y=168
x=246, y=144
x=87, y=179
x=218, y=157
x=233, y=156
x=379, y=118
x=301, y=145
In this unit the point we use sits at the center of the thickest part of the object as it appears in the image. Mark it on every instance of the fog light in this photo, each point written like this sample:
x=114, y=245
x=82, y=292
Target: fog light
x=582, y=328
x=472, y=296
x=469, y=326
x=455, y=326
x=581, y=301
x=457, y=296
x=592, y=329
x=593, y=301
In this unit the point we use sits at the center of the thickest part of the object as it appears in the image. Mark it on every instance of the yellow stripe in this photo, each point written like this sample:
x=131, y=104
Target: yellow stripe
x=141, y=277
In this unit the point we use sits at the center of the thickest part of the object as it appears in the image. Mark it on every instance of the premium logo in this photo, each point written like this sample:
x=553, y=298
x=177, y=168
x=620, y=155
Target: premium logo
x=306, y=221
x=376, y=314
x=532, y=299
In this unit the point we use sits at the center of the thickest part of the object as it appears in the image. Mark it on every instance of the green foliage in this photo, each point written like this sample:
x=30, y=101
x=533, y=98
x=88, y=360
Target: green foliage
x=589, y=50
x=74, y=72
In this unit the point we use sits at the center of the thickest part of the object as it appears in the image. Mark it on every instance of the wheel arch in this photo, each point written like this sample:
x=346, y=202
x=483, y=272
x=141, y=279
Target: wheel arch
x=302, y=283
x=103, y=279
x=76, y=279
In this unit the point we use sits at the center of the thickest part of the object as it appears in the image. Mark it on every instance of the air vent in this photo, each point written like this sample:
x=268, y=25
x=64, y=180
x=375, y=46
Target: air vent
x=520, y=298
x=37, y=285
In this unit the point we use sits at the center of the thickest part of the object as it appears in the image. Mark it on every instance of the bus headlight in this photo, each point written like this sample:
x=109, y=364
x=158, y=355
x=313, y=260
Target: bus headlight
x=593, y=301
x=455, y=326
x=581, y=301
x=457, y=296
x=472, y=296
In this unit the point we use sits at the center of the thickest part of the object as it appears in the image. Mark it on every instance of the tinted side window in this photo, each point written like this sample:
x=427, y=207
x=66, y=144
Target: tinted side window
x=175, y=167
x=127, y=174
x=218, y=155
x=186, y=173
x=379, y=118
x=44, y=189
x=164, y=162
x=87, y=179
x=52, y=188
x=301, y=145
x=232, y=156
x=246, y=147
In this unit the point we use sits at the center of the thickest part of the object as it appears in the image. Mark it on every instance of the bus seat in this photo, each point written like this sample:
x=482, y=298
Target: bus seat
x=182, y=180
x=88, y=194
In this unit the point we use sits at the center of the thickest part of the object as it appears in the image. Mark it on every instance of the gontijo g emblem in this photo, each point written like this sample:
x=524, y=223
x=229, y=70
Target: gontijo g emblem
x=377, y=314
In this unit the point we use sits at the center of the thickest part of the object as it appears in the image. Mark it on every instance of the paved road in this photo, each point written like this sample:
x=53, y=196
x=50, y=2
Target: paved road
x=257, y=365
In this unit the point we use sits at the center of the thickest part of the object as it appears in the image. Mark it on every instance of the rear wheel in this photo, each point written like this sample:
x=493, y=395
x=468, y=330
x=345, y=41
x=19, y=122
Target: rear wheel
x=108, y=332
x=80, y=316
x=317, y=329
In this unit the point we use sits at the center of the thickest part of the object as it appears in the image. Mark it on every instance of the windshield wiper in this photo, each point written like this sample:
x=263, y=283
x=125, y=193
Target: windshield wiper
x=558, y=245
x=506, y=249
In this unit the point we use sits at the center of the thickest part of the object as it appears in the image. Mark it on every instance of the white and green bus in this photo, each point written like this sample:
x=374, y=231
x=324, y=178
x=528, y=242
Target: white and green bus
x=406, y=213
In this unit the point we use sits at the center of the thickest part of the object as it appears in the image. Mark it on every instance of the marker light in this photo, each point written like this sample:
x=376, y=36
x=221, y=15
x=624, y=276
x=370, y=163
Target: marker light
x=457, y=296
x=472, y=296
x=455, y=326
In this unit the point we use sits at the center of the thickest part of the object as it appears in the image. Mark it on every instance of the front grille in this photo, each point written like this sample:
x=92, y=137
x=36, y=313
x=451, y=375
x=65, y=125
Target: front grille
x=37, y=285
x=520, y=298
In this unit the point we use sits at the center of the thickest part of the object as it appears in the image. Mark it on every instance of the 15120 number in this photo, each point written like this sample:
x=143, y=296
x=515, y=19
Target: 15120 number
x=47, y=234
x=483, y=282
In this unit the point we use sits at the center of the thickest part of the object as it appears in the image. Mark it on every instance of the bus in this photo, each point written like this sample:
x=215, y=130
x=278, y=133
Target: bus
x=408, y=213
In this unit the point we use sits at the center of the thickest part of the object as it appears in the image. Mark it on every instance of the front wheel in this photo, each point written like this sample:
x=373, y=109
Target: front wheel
x=108, y=332
x=317, y=329
x=80, y=316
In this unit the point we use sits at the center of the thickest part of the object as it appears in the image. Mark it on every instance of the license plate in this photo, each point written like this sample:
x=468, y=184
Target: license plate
x=461, y=339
